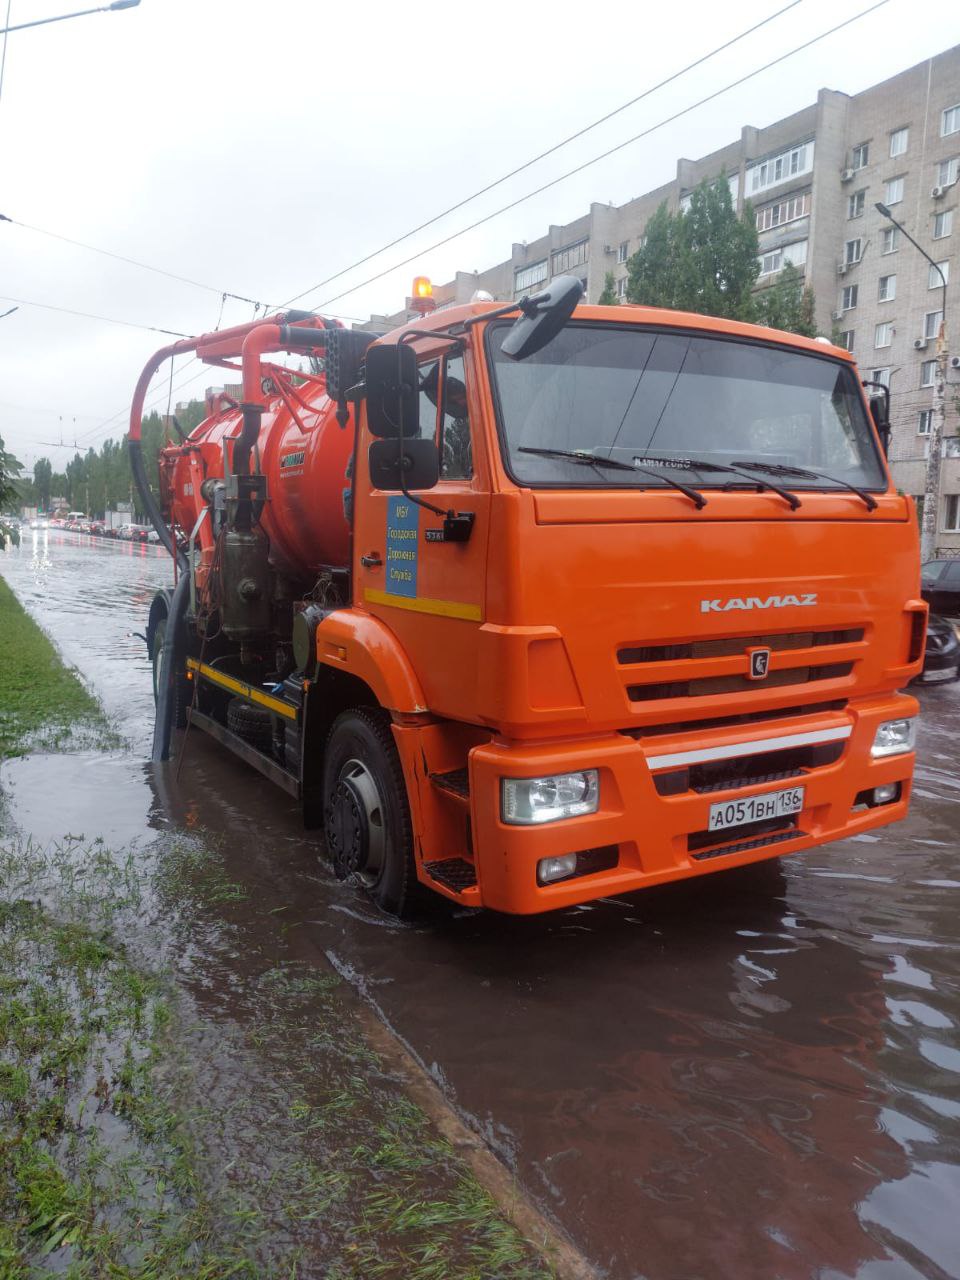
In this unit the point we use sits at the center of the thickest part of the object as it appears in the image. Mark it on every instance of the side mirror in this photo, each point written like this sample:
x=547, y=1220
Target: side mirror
x=542, y=317
x=417, y=467
x=880, y=412
x=391, y=389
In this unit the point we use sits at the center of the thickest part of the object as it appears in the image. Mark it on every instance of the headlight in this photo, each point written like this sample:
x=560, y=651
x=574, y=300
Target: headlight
x=893, y=737
x=524, y=801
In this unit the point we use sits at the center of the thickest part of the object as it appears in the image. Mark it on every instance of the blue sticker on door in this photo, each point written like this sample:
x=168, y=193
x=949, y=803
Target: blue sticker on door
x=403, y=528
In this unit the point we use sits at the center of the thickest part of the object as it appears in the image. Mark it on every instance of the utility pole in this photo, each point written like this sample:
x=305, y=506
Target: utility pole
x=931, y=488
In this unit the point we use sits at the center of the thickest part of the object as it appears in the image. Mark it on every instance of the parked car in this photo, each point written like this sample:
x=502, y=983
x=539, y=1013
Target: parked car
x=134, y=532
x=941, y=659
x=940, y=585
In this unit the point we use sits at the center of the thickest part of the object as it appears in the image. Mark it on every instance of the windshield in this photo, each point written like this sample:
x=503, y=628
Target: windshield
x=637, y=396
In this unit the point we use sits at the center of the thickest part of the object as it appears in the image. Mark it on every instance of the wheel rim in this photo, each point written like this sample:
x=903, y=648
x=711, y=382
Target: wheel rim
x=355, y=824
x=158, y=638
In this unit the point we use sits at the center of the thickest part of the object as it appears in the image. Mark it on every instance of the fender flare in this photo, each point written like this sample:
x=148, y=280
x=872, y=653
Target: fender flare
x=361, y=645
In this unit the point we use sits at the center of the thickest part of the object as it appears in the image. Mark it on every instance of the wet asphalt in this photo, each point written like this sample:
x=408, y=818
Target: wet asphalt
x=756, y=1075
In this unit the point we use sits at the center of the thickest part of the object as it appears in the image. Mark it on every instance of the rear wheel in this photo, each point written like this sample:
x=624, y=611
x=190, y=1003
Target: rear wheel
x=366, y=817
x=180, y=692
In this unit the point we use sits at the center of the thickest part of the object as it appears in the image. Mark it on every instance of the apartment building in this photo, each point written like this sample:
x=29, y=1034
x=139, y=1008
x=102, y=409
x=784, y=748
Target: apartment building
x=813, y=180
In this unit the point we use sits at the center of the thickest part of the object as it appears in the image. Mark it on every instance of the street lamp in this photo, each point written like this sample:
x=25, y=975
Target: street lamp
x=82, y=13
x=931, y=488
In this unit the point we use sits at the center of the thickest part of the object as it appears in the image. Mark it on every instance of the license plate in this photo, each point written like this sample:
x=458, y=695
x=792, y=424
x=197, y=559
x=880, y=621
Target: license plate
x=737, y=813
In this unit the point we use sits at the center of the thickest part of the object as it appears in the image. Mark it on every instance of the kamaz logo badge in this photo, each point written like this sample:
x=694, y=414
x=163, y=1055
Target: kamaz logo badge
x=759, y=663
x=757, y=602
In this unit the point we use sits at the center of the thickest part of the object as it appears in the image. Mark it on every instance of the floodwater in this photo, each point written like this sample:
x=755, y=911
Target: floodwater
x=753, y=1076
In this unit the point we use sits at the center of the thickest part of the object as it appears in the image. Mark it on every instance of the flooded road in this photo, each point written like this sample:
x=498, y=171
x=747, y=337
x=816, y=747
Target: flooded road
x=756, y=1075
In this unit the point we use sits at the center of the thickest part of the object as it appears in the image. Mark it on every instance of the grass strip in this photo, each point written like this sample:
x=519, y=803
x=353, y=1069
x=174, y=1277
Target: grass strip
x=141, y=1139
x=42, y=703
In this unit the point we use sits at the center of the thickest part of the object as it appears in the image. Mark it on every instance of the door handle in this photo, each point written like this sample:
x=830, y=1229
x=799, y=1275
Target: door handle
x=372, y=561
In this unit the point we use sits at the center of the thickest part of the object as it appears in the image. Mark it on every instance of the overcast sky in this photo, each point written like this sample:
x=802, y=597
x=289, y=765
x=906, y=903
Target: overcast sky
x=261, y=147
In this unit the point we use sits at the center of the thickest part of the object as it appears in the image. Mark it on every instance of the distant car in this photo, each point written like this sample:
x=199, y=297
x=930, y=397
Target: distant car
x=940, y=585
x=134, y=532
x=941, y=659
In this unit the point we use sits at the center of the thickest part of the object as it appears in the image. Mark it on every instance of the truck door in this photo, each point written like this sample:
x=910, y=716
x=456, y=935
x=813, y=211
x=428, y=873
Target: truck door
x=428, y=589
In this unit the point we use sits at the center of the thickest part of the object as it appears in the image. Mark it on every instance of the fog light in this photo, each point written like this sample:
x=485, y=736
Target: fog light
x=893, y=737
x=524, y=801
x=887, y=793
x=550, y=869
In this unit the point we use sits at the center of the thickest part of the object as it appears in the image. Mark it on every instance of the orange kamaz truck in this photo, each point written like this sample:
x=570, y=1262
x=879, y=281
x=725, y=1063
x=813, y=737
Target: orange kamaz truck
x=533, y=604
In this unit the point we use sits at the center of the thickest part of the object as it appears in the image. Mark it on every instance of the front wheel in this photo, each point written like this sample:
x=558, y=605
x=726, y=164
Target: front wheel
x=366, y=817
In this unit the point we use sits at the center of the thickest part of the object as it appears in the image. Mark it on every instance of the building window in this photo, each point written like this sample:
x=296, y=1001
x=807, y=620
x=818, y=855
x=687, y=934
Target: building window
x=861, y=155
x=622, y=287
x=777, y=258
x=893, y=190
x=887, y=289
x=776, y=215
x=898, y=142
x=853, y=251
x=931, y=323
x=796, y=253
x=855, y=204
x=622, y=250
x=789, y=164
x=934, y=279
x=951, y=513
x=924, y=421
x=845, y=339
x=849, y=298
x=890, y=240
x=947, y=171
x=881, y=376
x=942, y=224
x=883, y=334
x=928, y=373
x=525, y=278
x=572, y=256
x=951, y=121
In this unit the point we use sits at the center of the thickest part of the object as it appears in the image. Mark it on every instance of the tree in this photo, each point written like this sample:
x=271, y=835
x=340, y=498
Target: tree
x=10, y=470
x=703, y=259
x=42, y=473
x=788, y=304
x=609, y=296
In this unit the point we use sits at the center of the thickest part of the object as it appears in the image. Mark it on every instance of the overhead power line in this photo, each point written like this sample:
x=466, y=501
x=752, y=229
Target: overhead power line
x=497, y=182
x=132, y=262
x=89, y=315
x=455, y=235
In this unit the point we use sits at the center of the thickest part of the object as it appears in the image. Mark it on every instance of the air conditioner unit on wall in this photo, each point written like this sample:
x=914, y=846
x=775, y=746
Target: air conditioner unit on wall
x=955, y=362
x=937, y=192
x=837, y=315
x=842, y=268
x=847, y=175
x=609, y=248
x=920, y=344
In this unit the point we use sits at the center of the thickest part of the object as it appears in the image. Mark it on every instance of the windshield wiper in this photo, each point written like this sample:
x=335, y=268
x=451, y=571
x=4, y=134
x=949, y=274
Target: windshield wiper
x=781, y=469
x=591, y=459
x=704, y=465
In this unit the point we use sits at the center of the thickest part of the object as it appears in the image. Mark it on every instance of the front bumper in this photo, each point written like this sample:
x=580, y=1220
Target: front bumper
x=661, y=837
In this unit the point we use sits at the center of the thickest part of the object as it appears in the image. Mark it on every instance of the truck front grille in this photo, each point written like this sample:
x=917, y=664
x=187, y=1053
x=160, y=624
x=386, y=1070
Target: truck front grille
x=705, y=686
x=747, y=770
x=730, y=646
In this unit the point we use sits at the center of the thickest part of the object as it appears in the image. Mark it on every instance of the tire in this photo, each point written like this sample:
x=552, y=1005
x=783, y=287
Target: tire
x=366, y=817
x=252, y=724
x=181, y=693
